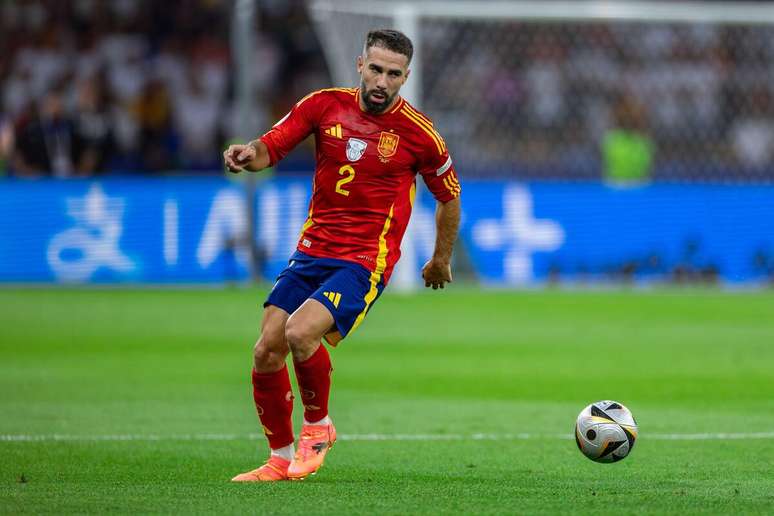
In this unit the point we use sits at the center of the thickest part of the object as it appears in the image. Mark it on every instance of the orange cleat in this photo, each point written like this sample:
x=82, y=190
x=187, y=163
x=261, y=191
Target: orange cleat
x=313, y=445
x=276, y=468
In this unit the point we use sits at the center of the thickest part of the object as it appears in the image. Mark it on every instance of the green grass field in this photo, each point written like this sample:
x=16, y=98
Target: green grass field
x=139, y=401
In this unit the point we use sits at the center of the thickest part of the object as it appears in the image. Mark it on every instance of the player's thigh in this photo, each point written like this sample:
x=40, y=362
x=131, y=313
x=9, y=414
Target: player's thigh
x=290, y=291
x=273, y=328
x=294, y=285
x=309, y=323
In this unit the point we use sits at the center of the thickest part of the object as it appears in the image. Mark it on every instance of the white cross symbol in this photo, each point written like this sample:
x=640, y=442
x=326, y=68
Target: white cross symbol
x=519, y=234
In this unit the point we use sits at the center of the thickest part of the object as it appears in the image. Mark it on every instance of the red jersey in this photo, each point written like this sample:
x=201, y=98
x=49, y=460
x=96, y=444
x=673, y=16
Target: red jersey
x=365, y=178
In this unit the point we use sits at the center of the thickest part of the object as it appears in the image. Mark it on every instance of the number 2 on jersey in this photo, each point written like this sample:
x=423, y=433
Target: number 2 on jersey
x=346, y=169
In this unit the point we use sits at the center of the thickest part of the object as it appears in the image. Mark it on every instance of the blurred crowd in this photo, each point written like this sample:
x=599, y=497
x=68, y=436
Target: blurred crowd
x=126, y=86
x=690, y=101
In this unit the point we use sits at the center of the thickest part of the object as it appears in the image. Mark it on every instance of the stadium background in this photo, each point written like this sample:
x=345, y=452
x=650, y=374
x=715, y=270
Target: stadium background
x=617, y=161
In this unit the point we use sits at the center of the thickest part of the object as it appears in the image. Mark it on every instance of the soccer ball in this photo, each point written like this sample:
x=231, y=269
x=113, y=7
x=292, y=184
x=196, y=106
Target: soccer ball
x=605, y=431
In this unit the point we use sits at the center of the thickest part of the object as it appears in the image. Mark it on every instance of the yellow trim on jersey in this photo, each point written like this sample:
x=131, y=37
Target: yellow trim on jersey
x=420, y=115
x=381, y=258
x=431, y=132
x=376, y=275
x=455, y=190
x=452, y=185
x=453, y=179
x=425, y=122
x=428, y=124
x=309, y=222
x=412, y=193
x=397, y=105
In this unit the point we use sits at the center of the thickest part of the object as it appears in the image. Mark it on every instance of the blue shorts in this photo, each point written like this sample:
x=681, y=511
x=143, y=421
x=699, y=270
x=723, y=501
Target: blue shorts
x=344, y=288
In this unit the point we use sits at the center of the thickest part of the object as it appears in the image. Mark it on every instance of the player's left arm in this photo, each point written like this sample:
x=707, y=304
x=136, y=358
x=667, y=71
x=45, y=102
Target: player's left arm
x=437, y=271
x=441, y=179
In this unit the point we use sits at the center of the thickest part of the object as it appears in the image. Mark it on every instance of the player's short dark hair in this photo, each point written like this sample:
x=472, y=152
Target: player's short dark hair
x=390, y=39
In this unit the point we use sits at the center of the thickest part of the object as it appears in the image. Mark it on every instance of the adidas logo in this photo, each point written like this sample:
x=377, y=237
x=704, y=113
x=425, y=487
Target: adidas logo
x=334, y=131
x=334, y=298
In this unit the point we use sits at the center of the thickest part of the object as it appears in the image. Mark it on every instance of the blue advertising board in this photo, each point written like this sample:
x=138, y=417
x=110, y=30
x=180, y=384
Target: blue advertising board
x=520, y=233
x=194, y=230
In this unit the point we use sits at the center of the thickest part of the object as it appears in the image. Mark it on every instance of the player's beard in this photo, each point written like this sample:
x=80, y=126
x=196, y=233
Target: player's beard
x=373, y=107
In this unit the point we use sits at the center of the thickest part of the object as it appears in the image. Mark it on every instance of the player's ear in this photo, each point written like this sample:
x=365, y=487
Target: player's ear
x=406, y=75
x=359, y=62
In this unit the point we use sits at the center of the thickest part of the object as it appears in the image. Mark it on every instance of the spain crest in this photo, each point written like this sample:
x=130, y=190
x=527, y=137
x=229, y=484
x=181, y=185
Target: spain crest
x=388, y=144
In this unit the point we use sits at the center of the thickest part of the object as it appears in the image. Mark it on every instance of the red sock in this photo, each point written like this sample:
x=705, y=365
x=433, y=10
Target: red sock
x=314, y=382
x=274, y=403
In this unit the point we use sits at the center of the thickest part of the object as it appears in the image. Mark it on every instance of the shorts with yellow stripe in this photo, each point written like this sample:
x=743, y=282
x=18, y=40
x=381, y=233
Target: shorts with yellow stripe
x=342, y=287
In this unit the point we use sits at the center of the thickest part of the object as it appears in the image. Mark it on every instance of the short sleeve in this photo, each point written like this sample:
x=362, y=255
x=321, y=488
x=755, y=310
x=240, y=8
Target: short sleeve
x=438, y=172
x=293, y=128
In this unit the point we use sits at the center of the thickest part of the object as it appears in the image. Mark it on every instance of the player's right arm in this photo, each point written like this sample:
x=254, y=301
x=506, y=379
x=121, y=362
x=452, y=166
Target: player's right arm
x=267, y=150
x=253, y=156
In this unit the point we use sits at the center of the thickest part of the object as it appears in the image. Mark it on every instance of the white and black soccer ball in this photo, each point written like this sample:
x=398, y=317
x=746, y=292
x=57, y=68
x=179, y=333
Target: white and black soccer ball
x=605, y=431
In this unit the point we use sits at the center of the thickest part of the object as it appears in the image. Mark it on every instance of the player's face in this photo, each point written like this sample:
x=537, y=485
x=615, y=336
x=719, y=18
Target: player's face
x=382, y=73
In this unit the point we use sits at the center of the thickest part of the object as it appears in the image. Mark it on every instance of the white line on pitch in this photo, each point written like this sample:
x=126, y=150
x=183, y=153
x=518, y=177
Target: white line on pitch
x=368, y=437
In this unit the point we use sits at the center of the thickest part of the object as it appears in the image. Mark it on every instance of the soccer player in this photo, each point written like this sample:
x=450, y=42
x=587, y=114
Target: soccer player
x=370, y=146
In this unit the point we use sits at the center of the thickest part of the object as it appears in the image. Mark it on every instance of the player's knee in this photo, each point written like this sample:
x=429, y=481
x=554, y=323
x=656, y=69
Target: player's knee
x=293, y=335
x=269, y=356
x=296, y=336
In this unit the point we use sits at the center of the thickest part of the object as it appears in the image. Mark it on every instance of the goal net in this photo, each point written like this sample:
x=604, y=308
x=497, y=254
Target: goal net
x=625, y=91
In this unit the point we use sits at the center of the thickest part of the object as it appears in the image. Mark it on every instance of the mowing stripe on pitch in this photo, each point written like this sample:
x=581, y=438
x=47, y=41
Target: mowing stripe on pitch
x=367, y=437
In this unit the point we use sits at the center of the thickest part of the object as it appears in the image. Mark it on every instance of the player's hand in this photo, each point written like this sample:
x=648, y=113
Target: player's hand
x=436, y=273
x=237, y=157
